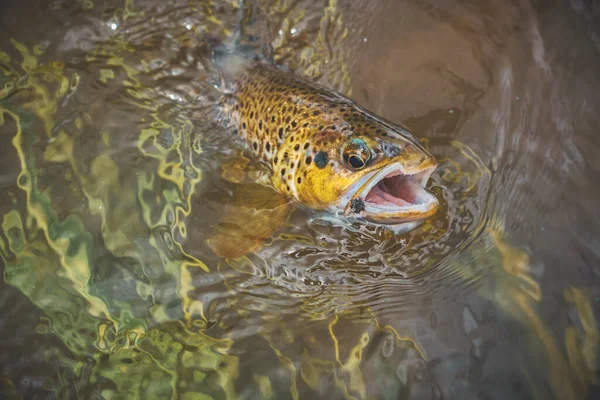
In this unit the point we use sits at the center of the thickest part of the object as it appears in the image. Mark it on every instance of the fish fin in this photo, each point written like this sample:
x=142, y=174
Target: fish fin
x=238, y=168
x=247, y=222
x=235, y=170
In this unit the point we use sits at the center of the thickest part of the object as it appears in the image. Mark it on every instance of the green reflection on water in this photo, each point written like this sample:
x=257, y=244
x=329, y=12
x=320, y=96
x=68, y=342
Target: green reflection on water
x=71, y=273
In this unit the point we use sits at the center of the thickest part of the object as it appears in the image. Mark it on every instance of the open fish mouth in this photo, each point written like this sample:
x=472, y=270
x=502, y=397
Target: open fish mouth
x=392, y=195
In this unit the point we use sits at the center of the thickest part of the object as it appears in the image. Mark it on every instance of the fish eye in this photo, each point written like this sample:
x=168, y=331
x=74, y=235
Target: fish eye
x=355, y=161
x=357, y=154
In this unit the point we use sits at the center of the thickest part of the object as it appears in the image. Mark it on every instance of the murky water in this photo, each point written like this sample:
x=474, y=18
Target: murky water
x=116, y=184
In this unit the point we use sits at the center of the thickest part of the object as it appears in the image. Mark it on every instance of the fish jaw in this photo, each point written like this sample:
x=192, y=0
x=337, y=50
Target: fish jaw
x=391, y=195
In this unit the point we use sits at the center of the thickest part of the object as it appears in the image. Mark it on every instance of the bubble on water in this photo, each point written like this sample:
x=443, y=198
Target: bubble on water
x=387, y=349
x=402, y=373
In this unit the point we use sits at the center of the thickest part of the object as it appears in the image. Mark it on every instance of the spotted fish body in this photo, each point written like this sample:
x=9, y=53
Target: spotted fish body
x=302, y=131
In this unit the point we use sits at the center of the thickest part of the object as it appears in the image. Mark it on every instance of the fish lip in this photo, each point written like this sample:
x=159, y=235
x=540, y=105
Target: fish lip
x=417, y=179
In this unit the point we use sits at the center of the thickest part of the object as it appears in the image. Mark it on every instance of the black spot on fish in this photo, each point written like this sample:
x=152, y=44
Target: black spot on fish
x=280, y=133
x=294, y=123
x=308, y=160
x=391, y=150
x=321, y=159
x=297, y=147
x=357, y=205
x=275, y=160
x=283, y=172
x=260, y=124
x=306, y=145
x=299, y=180
x=268, y=146
x=244, y=125
x=255, y=145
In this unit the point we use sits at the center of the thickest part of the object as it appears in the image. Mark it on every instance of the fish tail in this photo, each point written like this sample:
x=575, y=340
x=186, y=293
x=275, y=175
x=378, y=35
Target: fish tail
x=252, y=36
x=249, y=43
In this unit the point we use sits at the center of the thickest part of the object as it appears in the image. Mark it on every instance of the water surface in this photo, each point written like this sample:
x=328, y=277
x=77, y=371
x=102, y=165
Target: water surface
x=116, y=182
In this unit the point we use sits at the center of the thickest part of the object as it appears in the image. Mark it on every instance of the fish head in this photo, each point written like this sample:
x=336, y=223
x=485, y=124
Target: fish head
x=377, y=172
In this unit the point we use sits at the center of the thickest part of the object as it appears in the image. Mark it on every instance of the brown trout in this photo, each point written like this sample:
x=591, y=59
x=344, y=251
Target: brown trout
x=323, y=149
